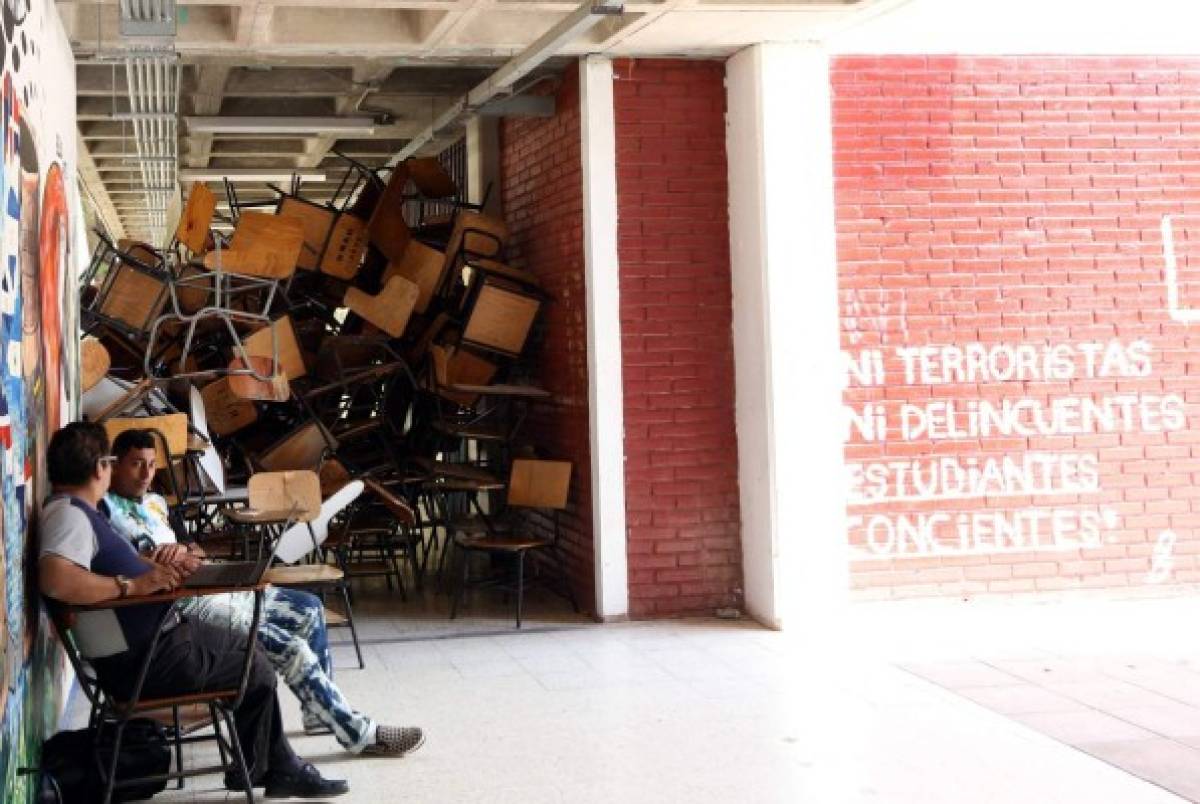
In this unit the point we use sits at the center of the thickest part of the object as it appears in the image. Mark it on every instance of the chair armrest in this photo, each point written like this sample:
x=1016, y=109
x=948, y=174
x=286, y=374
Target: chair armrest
x=524, y=391
x=253, y=516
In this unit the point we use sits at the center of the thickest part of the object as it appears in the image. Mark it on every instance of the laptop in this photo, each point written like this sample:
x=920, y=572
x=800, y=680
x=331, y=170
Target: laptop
x=232, y=573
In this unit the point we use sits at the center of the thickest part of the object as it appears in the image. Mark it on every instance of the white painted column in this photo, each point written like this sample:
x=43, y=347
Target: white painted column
x=786, y=343
x=483, y=162
x=605, y=395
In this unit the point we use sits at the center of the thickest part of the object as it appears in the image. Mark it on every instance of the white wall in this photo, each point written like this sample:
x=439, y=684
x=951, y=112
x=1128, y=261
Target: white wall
x=606, y=404
x=783, y=252
x=784, y=268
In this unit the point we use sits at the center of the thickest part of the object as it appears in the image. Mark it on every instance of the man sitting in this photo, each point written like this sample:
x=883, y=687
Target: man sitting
x=292, y=633
x=83, y=561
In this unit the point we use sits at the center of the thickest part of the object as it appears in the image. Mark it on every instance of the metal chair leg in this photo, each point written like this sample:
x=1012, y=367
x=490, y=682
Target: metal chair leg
x=178, y=747
x=411, y=553
x=463, y=557
x=216, y=721
x=350, y=620
x=520, y=583
x=111, y=781
x=394, y=563
x=239, y=758
x=565, y=578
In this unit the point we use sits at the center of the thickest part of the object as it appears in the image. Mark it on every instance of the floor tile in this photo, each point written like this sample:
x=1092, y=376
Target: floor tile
x=1174, y=720
x=1021, y=699
x=1088, y=726
x=1165, y=762
x=1109, y=694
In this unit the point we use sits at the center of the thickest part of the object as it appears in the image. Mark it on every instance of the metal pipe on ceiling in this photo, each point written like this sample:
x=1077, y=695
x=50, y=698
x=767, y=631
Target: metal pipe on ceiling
x=579, y=21
x=152, y=84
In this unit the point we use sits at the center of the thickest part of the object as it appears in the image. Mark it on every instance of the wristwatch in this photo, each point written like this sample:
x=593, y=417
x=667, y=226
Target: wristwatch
x=124, y=583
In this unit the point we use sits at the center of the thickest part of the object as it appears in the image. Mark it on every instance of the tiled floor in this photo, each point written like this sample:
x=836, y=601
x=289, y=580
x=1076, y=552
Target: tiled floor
x=895, y=705
x=1127, y=693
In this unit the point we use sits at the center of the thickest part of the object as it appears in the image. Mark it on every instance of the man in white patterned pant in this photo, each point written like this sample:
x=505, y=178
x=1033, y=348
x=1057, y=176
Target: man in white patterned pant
x=292, y=632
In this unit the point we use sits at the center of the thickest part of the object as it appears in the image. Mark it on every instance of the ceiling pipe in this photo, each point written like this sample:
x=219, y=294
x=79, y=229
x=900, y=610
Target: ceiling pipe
x=153, y=87
x=579, y=21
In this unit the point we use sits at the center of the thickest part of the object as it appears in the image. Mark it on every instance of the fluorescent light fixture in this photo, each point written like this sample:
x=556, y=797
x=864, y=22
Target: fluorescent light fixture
x=280, y=125
x=250, y=174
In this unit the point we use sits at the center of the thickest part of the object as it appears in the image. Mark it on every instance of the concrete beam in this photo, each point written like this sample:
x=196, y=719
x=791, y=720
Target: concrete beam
x=97, y=193
x=206, y=100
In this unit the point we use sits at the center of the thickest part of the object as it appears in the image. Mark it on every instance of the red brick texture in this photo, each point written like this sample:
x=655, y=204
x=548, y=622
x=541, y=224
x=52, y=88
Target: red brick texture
x=541, y=172
x=681, y=493
x=1000, y=249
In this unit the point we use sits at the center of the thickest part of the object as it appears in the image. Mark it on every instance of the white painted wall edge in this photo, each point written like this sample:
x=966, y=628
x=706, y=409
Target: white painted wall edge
x=483, y=162
x=753, y=394
x=805, y=339
x=786, y=336
x=606, y=400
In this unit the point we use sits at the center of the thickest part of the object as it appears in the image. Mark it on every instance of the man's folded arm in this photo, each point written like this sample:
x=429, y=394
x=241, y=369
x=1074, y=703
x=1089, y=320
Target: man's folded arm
x=66, y=581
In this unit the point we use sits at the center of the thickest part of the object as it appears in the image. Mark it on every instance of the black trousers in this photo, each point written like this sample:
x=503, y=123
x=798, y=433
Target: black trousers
x=199, y=657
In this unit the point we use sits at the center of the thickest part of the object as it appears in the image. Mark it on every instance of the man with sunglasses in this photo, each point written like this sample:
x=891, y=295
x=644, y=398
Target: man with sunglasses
x=83, y=561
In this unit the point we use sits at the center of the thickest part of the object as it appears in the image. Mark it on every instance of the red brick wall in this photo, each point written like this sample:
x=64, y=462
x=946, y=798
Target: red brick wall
x=543, y=203
x=681, y=493
x=1015, y=203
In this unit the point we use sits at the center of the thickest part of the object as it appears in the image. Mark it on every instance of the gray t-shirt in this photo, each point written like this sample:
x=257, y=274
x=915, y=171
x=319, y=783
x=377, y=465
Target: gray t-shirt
x=64, y=530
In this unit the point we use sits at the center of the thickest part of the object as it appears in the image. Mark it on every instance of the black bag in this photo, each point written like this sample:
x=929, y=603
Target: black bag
x=67, y=762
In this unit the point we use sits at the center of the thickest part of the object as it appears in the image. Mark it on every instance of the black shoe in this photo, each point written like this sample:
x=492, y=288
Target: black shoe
x=304, y=782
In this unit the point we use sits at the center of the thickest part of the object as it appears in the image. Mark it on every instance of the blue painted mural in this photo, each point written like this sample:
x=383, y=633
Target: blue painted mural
x=38, y=350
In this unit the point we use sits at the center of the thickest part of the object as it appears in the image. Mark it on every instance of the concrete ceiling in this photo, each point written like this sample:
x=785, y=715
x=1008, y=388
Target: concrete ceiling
x=406, y=59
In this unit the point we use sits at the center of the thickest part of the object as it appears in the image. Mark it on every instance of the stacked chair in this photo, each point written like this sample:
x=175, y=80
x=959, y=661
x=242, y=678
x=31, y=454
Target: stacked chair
x=385, y=350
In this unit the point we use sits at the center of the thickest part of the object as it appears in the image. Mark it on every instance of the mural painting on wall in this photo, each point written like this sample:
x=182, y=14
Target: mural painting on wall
x=1019, y=262
x=37, y=325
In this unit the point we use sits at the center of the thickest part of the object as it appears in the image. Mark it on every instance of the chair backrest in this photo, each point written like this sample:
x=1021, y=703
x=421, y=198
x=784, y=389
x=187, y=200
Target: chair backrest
x=134, y=291
x=476, y=234
x=298, y=541
x=291, y=359
x=141, y=254
x=225, y=410
x=539, y=484
x=316, y=220
x=430, y=177
x=387, y=228
x=298, y=491
x=459, y=367
x=196, y=219
x=112, y=398
x=390, y=309
x=96, y=362
x=171, y=428
x=422, y=266
x=265, y=246
x=334, y=476
x=273, y=389
x=303, y=448
x=501, y=317
x=346, y=246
